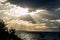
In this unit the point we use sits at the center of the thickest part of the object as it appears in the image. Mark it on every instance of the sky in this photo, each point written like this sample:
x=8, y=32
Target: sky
x=37, y=3
x=36, y=14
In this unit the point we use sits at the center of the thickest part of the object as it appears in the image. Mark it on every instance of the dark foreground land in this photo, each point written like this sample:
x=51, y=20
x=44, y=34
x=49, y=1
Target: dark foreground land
x=38, y=35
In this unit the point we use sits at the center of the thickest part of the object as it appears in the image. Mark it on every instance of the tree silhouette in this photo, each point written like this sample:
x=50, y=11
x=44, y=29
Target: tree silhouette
x=5, y=35
x=12, y=35
x=2, y=25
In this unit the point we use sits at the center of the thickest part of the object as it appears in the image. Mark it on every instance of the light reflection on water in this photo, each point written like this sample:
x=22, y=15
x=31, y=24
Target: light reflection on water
x=38, y=35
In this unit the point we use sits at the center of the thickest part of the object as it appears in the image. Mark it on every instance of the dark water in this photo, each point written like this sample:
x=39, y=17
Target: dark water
x=38, y=35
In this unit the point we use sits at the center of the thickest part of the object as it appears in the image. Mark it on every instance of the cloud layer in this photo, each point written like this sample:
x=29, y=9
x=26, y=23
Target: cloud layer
x=46, y=15
x=49, y=25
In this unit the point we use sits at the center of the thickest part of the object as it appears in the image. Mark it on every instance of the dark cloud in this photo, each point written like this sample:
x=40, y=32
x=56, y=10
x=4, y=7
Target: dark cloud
x=37, y=3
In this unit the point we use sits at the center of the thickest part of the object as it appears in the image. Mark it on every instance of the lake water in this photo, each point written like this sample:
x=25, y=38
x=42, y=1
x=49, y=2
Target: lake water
x=38, y=35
